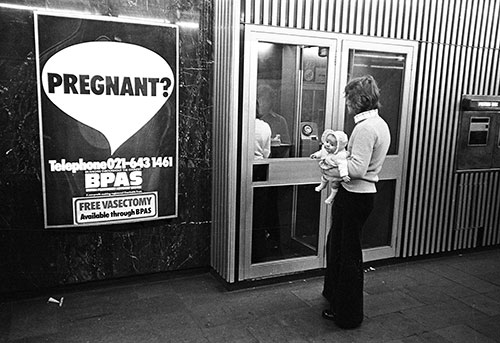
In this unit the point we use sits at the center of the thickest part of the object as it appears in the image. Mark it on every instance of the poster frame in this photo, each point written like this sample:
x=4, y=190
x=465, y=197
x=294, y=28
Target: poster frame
x=123, y=20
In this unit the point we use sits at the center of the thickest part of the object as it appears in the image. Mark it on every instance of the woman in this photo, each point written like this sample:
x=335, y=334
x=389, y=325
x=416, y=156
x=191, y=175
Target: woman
x=262, y=144
x=368, y=146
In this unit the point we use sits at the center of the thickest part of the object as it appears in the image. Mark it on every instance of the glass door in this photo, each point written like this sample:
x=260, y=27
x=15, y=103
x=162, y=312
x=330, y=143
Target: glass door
x=289, y=81
x=293, y=82
x=391, y=63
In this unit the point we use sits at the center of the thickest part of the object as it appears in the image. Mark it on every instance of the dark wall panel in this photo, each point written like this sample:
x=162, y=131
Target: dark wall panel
x=32, y=257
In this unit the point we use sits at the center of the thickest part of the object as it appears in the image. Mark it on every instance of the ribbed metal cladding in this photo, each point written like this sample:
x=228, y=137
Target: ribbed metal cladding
x=459, y=46
x=225, y=131
x=478, y=206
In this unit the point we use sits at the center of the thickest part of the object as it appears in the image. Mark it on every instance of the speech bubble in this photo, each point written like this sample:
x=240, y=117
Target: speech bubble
x=113, y=87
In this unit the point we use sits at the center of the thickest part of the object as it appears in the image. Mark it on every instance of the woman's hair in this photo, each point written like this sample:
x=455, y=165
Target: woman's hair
x=362, y=93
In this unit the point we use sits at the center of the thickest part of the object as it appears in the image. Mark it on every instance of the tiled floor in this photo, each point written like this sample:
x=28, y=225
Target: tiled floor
x=448, y=299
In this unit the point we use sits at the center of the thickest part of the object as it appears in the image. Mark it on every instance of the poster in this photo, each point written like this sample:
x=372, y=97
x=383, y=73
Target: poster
x=108, y=109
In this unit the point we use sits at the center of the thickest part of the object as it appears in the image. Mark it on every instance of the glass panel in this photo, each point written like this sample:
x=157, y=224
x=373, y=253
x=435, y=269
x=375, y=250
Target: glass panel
x=291, y=85
x=377, y=231
x=312, y=121
x=388, y=70
x=285, y=222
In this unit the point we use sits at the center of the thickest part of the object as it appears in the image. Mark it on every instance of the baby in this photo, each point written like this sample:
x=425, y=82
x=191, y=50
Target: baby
x=333, y=154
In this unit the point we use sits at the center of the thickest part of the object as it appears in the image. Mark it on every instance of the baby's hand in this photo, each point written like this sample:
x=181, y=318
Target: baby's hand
x=314, y=156
x=346, y=178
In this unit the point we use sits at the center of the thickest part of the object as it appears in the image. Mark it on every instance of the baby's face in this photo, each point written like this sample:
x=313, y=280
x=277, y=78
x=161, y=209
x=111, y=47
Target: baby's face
x=330, y=144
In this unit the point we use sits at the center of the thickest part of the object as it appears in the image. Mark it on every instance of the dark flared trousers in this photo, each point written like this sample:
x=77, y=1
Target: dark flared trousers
x=344, y=267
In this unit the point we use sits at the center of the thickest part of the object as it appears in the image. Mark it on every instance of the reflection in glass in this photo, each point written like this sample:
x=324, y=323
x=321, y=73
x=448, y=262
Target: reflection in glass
x=291, y=88
x=285, y=222
x=291, y=84
x=312, y=117
x=388, y=71
x=378, y=228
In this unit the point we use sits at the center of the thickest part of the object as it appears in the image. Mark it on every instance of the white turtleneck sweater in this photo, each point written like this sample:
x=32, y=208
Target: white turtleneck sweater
x=368, y=146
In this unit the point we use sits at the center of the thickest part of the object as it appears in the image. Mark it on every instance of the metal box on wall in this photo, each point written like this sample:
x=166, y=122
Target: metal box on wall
x=478, y=145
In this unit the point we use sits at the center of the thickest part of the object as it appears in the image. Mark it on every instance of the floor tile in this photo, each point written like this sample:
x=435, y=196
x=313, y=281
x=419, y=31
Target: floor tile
x=443, y=314
x=391, y=279
x=463, y=279
x=426, y=337
x=492, y=277
x=428, y=294
x=455, y=290
x=462, y=334
x=450, y=299
x=378, y=304
x=487, y=326
x=371, y=330
x=275, y=329
x=399, y=325
x=310, y=294
x=483, y=303
x=476, y=266
x=33, y=318
x=230, y=333
x=495, y=295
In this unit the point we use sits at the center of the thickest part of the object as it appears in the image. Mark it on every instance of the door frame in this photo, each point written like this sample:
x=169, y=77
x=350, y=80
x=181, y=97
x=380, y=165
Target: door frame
x=336, y=79
x=303, y=167
x=394, y=165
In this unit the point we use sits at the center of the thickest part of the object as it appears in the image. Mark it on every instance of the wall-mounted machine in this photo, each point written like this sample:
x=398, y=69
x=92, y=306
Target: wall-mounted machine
x=478, y=145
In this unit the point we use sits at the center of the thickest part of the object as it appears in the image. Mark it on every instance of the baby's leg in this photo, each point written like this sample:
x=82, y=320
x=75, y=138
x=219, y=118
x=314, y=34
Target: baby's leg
x=334, y=188
x=322, y=185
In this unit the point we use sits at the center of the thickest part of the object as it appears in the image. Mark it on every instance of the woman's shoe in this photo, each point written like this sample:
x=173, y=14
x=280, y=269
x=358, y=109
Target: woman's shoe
x=327, y=314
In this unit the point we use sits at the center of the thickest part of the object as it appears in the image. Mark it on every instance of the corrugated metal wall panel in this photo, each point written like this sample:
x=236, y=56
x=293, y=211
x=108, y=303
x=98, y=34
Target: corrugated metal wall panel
x=430, y=21
x=478, y=208
x=459, y=54
x=225, y=138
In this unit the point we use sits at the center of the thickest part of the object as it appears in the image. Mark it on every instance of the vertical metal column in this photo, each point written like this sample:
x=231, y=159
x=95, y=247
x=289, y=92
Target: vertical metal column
x=225, y=137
